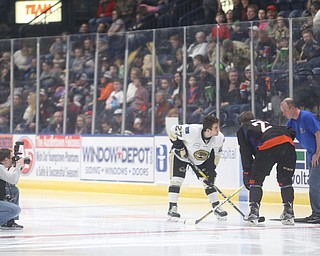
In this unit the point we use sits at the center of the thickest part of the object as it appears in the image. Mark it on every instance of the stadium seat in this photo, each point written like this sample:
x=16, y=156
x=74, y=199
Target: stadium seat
x=283, y=5
x=295, y=13
x=284, y=13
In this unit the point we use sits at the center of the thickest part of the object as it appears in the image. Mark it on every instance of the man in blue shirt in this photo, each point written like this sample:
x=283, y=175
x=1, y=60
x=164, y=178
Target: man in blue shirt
x=307, y=127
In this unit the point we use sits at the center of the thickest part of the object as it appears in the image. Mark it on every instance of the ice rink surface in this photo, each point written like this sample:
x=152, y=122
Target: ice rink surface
x=67, y=223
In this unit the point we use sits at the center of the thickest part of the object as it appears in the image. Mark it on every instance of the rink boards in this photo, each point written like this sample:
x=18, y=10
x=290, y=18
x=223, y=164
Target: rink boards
x=131, y=165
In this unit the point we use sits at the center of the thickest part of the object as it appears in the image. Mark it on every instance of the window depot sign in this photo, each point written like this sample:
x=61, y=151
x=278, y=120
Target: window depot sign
x=26, y=11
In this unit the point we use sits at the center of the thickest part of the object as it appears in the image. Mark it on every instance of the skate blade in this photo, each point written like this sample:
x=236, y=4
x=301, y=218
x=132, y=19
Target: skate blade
x=289, y=222
x=172, y=219
x=251, y=223
x=224, y=218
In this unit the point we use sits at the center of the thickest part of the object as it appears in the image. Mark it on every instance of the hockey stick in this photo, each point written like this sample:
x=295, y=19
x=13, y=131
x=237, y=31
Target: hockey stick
x=220, y=204
x=197, y=169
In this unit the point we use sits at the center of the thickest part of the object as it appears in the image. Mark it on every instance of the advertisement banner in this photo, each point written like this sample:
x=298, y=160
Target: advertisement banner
x=26, y=11
x=119, y=158
x=57, y=157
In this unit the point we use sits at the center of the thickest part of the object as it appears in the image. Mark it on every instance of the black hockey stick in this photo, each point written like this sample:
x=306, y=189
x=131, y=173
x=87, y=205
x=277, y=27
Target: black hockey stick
x=220, y=204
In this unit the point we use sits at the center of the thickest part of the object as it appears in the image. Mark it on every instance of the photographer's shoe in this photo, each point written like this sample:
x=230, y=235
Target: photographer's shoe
x=11, y=225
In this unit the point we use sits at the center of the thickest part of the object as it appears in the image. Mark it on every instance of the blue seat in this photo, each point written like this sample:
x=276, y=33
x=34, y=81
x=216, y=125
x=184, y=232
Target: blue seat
x=295, y=13
x=297, y=4
x=284, y=13
x=283, y=5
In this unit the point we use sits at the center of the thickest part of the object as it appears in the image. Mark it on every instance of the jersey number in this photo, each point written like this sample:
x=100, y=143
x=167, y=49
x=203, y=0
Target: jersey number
x=263, y=125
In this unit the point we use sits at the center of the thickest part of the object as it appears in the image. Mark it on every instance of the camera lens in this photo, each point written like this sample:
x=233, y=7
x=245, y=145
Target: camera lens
x=26, y=160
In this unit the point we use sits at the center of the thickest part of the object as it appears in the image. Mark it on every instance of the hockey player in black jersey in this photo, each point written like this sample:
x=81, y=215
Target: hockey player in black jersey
x=201, y=144
x=263, y=145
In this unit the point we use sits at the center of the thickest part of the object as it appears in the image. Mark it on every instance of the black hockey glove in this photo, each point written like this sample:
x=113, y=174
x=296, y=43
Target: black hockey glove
x=246, y=179
x=209, y=181
x=181, y=152
x=179, y=149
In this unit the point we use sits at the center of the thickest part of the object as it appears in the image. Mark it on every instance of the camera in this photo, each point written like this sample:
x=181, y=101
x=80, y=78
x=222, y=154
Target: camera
x=16, y=154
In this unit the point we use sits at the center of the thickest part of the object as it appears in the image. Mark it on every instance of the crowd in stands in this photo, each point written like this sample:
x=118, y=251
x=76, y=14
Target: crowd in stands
x=257, y=24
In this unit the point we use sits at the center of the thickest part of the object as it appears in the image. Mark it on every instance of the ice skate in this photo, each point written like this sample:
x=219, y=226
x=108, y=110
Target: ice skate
x=287, y=216
x=253, y=217
x=173, y=215
x=219, y=212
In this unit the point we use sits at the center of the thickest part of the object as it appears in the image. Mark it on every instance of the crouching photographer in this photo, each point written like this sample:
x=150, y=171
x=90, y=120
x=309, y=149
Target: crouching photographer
x=10, y=167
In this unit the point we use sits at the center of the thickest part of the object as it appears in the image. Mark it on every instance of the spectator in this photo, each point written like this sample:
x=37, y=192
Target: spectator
x=103, y=14
x=237, y=33
x=252, y=14
x=116, y=35
x=115, y=100
x=253, y=36
x=101, y=29
x=59, y=59
x=281, y=63
x=267, y=51
x=176, y=85
x=244, y=13
x=169, y=61
x=220, y=29
x=309, y=53
x=315, y=6
x=22, y=59
x=235, y=53
x=28, y=124
x=127, y=9
x=229, y=18
x=260, y=91
x=198, y=64
x=237, y=10
x=140, y=103
x=47, y=108
x=73, y=110
x=80, y=127
x=147, y=64
x=166, y=87
x=77, y=63
x=56, y=125
x=271, y=18
x=281, y=30
x=105, y=127
x=262, y=16
x=230, y=98
x=131, y=90
x=162, y=108
x=18, y=108
x=210, y=9
x=139, y=126
x=116, y=122
x=194, y=94
x=5, y=60
x=199, y=45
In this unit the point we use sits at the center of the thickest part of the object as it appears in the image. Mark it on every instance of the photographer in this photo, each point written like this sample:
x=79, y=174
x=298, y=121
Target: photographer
x=10, y=168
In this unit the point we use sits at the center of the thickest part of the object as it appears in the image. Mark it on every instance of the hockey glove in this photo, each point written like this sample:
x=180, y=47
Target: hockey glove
x=181, y=152
x=180, y=149
x=209, y=181
x=246, y=179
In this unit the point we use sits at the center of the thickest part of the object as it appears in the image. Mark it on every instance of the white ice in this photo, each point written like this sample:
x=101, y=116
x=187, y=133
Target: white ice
x=67, y=223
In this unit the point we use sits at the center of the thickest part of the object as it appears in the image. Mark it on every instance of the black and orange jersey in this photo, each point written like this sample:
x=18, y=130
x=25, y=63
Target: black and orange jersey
x=260, y=135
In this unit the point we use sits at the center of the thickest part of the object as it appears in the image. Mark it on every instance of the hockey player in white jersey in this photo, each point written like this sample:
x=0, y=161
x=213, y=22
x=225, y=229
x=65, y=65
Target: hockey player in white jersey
x=202, y=145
